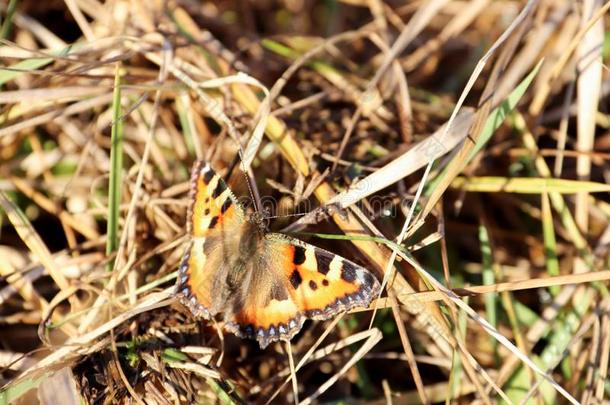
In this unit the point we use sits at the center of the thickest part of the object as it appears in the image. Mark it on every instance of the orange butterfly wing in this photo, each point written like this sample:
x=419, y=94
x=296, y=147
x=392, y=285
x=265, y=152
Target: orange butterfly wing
x=317, y=284
x=213, y=219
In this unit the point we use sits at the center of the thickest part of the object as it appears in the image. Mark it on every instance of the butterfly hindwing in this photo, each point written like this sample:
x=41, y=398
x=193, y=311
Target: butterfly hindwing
x=264, y=310
x=310, y=283
x=320, y=282
x=213, y=218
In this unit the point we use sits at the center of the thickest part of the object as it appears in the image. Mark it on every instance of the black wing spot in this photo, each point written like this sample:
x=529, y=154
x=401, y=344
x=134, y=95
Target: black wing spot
x=313, y=285
x=206, y=211
x=323, y=259
x=295, y=279
x=213, y=222
x=325, y=283
x=299, y=255
x=348, y=271
x=225, y=206
x=207, y=176
x=220, y=187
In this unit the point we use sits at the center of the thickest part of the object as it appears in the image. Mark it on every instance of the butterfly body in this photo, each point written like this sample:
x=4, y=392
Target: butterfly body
x=263, y=285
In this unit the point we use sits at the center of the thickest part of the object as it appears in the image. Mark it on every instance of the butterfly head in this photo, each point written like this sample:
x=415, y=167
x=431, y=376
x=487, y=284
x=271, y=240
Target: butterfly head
x=260, y=219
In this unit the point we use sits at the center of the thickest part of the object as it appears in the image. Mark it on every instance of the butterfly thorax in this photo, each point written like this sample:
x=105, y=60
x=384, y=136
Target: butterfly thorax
x=250, y=238
x=252, y=235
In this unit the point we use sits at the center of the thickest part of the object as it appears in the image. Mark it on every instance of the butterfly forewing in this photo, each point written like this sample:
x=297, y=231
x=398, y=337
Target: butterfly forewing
x=212, y=203
x=213, y=222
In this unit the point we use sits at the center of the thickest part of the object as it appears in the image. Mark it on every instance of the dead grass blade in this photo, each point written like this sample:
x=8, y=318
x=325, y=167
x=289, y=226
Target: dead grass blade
x=81, y=344
x=373, y=336
x=32, y=240
x=60, y=387
x=330, y=109
x=423, y=153
x=588, y=89
x=559, y=66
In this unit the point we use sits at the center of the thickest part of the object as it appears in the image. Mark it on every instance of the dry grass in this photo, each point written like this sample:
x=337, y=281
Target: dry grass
x=457, y=149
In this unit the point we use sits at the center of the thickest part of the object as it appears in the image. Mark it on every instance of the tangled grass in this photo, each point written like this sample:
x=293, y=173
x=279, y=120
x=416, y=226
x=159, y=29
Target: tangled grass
x=457, y=149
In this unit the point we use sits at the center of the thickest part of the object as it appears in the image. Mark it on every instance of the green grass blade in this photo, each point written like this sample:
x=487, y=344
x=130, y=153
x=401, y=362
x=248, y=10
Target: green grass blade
x=7, y=24
x=183, y=108
x=550, y=244
x=9, y=73
x=116, y=168
x=221, y=390
x=491, y=299
x=496, y=118
x=456, y=374
x=15, y=390
x=279, y=48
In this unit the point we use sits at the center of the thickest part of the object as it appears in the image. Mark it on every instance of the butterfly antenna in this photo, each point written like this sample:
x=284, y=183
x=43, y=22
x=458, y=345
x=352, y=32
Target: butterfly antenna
x=287, y=215
x=252, y=188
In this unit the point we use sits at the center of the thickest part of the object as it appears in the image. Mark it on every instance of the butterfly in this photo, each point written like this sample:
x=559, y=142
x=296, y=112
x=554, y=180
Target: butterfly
x=263, y=285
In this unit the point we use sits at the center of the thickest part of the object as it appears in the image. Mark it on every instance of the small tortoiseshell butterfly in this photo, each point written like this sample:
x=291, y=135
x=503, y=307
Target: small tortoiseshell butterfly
x=263, y=284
